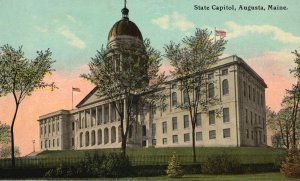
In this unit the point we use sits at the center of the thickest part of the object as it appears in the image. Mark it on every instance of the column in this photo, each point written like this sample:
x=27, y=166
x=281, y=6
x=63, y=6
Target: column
x=109, y=112
x=96, y=122
x=103, y=118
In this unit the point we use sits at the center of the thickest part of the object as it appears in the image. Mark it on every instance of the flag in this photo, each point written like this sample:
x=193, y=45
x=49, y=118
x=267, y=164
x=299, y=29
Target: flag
x=220, y=33
x=75, y=89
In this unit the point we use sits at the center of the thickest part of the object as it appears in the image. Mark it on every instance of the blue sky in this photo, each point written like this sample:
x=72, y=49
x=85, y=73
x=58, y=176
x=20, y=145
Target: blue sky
x=74, y=30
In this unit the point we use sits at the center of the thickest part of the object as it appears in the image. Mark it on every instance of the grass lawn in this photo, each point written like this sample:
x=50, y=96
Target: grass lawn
x=248, y=177
x=246, y=155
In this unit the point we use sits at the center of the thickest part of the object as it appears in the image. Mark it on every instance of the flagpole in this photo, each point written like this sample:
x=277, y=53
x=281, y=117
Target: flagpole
x=72, y=97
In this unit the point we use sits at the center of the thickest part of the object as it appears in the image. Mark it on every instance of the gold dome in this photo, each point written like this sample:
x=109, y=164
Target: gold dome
x=125, y=27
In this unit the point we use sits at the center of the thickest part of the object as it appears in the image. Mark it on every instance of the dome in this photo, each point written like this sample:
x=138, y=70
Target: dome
x=125, y=27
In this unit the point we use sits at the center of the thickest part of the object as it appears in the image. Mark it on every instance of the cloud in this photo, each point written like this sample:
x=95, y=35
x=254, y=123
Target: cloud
x=71, y=18
x=72, y=38
x=41, y=29
x=236, y=30
x=163, y=22
x=174, y=21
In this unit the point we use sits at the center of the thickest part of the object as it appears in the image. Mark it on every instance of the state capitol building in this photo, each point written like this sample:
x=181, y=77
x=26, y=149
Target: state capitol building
x=94, y=124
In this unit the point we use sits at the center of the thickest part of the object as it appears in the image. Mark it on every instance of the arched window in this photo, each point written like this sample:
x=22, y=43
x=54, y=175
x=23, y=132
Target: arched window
x=144, y=130
x=174, y=99
x=80, y=139
x=93, y=138
x=211, y=90
x=130, y=131
x=225, y=87
x=106, y=138
x=99, y=136
x=185, y=97
x=113, y=134
x=87, y=138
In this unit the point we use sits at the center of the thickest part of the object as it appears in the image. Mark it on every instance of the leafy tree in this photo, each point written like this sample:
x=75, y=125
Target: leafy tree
x=5, y=149
x=128, y=76
x=4, y=133
x=20, y=76
x=191, y=60
x=294, y=99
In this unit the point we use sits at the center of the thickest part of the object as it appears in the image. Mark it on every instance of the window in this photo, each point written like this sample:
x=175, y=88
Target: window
x=198, y=119
x=249, y=91
x=246, y=115
x=185, y=97
x=164, y=127
x=174, y=99
x=210, y=76
x=53, y=128
x=245, y=88
x=186, y=121
x=211, y=118
x=225, y=87
x=252, y=135
x=174, y=123
x=212, y=134
x=41, y=130
x=144, y=143
x=251, y=119
x=153, y=129
x=45, y=128
x=41, y=144
x=255, y=118
x=225, y=115
x=53, y=143
x=186, y=137
x=175, y=138
x=73, y=126
x=226, y=133
x=153, y=142
x=165, y=141
x=174, y=86
x=49, y=128
x=224, y=71
x=57, y=126
x=144, y=130
x=254, y=94
x=211, y=90
x=247, y=133
x=199, y=136
x=72, y=142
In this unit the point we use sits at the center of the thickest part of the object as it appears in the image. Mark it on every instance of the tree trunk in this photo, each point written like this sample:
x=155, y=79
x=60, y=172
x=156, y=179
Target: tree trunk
x=13, y=162
x=123, y=145
x=193, y=139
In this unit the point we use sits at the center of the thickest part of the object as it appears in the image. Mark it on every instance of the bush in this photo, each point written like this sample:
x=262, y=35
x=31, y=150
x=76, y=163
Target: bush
x=221, y=164
x=291, y=166
x=174, y=168
x=112, y=165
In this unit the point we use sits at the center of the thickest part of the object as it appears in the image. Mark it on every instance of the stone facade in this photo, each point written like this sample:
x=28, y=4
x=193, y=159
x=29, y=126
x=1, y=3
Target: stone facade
x=95, y=124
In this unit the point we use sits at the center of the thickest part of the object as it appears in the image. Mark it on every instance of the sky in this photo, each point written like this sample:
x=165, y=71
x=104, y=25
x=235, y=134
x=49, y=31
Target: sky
x=75, y=29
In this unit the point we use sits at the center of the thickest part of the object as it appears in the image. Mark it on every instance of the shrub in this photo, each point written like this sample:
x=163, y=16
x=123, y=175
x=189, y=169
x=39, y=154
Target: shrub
x=291, y=166
x=221, y=164
x=174, y=168
x=112, y=165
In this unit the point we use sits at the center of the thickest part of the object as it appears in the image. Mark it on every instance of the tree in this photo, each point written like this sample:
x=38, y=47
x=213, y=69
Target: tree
x=20, y=76
x=174, y=168
x=4, y=133
x=191, y=60
x=128, y=76
x=295, y=98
